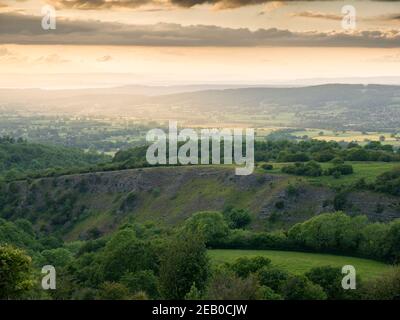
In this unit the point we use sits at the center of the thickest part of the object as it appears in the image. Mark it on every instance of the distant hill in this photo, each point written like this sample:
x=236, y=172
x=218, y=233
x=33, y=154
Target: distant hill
x=330, y=106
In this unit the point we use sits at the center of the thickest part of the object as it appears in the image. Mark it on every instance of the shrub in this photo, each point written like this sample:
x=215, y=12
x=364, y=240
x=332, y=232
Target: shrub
x=267, y=166
x=238, y=218
x=183, y=262
x=243, y=267
x=15, y=273
x=273, y=278
x=300, y=288
x=329, y=279
x=225, y=284
x=386, y=287
x=311, y=168
x=113, y=291
x=142, y=281
x=210, y=224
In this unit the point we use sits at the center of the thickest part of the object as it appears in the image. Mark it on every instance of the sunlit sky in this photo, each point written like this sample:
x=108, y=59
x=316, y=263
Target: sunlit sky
x=168, y=42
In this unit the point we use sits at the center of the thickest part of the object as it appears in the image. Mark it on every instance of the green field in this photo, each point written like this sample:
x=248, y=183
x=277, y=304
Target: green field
x=362, y=169
x=367, y=170
x=360, y=137
x=300, y=262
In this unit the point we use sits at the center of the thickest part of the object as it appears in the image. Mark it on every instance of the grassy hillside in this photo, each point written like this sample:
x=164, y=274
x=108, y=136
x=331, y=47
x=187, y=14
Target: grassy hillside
x=76, y=204
x=18, y=157
x=300, y=262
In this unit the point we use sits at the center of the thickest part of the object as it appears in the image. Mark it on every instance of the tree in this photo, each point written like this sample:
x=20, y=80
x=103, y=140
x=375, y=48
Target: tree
x=244, y=266
x=142, y=281
x=15, y=273
x=113, y=291
x=125, y=253
x=273, y=278
x=194, y=293
x=183, y=263
x=225, y=284
x=386, y=287
x=393, y=242
x=329, y=279
x=238, y=218
x=59, y=257
x=209, y=224
x=300, y=288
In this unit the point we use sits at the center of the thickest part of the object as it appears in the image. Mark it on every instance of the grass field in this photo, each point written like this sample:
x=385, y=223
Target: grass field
x=300, y=262
x=348, y=136
x=367, y=170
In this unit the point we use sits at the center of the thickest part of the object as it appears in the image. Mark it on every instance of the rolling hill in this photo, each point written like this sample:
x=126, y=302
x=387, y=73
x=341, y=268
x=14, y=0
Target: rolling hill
x=73, y=205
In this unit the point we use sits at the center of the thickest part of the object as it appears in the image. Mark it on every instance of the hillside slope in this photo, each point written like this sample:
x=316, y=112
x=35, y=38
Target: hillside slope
x=76, y=205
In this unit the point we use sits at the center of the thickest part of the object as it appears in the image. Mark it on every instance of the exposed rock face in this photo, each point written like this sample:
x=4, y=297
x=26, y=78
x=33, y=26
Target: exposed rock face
x=378, y=207
x=171, y=194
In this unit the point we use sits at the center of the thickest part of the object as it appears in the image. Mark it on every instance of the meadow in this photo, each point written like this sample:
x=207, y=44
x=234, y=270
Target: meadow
x=301, y=262
x=367, y=170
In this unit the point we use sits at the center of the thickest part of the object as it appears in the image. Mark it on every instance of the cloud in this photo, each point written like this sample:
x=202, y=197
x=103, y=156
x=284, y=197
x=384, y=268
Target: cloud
x=318, y=15
x=4, y=52
x=24, y=29
x=272, y=6
x=98, y=4
x=3, y=5
x=51, y=59
x=395, y=17
x=133, y=4
x=104, y=58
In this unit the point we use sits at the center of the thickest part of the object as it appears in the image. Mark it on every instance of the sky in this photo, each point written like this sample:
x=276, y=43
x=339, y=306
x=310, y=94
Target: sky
x=114, y=42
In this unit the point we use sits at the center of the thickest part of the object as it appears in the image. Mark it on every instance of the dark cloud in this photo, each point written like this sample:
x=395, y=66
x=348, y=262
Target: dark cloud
x=97, y=4
x=24, y=29
x=219, y=4
x=111, y=4
x=394, y=17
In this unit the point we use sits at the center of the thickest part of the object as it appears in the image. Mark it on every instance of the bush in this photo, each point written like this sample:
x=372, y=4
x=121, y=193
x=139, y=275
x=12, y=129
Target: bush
x=342, y=169
x=225, y=284
x=238, y=218
x=389, y=182
x=15, y=273
x=267, y=166
x=125, y=253
x=280, y=205
x=183, y=262
x=210, y=224
x=300, y=288
x=336, y=232
x=311, y=169
x=273, y=278
x=142, y=281
x=243, y=267
x=113, y=291
x=386, y=287
x=329, y=279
